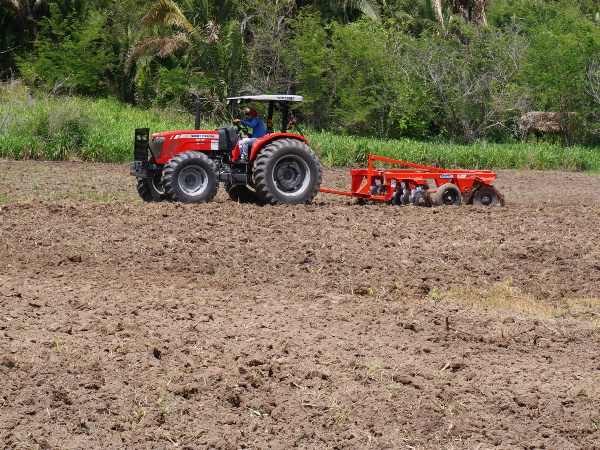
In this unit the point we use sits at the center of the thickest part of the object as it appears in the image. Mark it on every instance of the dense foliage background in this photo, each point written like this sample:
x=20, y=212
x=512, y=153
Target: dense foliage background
x=457, y=71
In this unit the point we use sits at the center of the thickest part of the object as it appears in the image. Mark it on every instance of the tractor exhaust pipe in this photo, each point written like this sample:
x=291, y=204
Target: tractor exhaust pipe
x=197, y=125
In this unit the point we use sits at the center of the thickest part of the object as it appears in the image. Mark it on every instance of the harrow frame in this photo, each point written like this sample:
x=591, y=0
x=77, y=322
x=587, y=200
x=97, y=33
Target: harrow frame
x=384, y=184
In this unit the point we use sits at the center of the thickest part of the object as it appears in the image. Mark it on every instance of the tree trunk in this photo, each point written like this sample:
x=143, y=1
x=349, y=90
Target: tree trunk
x=27, y=13
x=462, y=7
x=468, y=13
x=437, y=6
x=478, y=15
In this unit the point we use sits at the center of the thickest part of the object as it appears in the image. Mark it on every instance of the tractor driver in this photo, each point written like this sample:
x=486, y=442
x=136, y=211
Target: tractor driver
x=258, y=131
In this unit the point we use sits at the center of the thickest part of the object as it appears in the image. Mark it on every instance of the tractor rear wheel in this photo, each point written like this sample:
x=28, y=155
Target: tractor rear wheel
x=448, y=195
x=287, y=172
x=190, y=177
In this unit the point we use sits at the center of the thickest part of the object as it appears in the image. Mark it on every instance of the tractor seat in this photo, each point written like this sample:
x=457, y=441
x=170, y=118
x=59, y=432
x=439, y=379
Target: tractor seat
x=228, y=137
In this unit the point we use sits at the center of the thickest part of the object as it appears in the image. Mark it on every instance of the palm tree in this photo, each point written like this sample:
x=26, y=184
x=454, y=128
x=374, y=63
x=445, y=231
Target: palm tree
x=210, y=43
x=166, y=16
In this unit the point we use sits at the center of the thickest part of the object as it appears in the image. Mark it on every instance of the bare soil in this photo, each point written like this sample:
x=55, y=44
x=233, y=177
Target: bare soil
x=137, y=325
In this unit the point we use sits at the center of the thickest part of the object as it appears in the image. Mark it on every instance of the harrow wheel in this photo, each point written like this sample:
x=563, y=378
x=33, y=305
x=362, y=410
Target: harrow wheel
x=287, y=172
x=397, y=197
x=420, y=198
x=190, y=177
x=448, y=195
x=150, y=189
x=487, y=196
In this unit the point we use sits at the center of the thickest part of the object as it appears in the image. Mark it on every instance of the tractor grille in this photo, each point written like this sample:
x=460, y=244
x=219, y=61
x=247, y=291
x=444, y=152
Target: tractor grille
x=156, y=146
x=142, y=136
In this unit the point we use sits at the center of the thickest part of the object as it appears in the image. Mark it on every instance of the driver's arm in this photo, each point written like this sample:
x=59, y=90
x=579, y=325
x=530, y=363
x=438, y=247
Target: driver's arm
x=251, y=124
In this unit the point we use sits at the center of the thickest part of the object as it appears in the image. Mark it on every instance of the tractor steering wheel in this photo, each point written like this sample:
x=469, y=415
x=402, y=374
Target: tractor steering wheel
x=242, y=129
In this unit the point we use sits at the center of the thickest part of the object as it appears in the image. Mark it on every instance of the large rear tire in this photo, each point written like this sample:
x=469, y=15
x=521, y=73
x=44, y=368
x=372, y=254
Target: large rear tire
x=151, y=189
x=190, y=177
x=287, y=171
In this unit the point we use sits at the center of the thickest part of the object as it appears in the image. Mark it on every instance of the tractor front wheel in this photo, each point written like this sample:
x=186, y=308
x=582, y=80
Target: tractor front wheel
x=287, y=172
x=150, y=189
x=190, y=177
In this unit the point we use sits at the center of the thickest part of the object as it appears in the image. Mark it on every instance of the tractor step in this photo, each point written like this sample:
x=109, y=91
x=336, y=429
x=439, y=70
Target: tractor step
x=142, y=169
x=233, y=178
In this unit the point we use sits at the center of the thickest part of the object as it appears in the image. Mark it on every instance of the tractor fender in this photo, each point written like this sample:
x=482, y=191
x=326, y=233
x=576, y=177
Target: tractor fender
x=268, y=138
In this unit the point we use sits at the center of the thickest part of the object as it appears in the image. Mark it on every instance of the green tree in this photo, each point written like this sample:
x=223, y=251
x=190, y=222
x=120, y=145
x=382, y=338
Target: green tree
x=363, y=70
x=409, y=16
x=203, y=39
x=69, y=56
x=309, y=62
x=564, y=43
x=346, y=73
x=163, y=32
x=465, y=87
x=267, y=46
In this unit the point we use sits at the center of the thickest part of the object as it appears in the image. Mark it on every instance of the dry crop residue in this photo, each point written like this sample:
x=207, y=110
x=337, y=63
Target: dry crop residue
x=335, y=325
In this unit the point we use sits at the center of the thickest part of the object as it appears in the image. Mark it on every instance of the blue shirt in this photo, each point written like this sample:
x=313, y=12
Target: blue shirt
x=257, y=125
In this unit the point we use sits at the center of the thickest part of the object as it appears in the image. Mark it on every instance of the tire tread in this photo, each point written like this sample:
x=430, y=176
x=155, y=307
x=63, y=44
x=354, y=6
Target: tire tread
x=169, y=177
x=260, y=174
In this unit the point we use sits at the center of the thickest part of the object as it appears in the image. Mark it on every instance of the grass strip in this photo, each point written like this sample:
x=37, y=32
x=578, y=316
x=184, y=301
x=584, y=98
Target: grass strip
x=102, y=130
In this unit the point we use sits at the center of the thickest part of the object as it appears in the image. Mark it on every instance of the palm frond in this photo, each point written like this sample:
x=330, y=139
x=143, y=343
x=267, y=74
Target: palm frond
x=161, y=47
x=172, y=44
x=166, y=12
x=367, y=7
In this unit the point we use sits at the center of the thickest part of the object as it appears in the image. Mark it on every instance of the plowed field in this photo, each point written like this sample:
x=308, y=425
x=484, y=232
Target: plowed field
x=137, y=325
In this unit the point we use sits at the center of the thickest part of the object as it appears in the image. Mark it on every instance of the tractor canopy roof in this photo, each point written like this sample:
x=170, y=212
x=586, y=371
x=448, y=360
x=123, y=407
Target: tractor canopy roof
x=284, y=98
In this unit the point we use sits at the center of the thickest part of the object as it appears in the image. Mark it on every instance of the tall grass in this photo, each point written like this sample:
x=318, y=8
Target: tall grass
x=102, y=130
x=337, y=150
x=76, y=128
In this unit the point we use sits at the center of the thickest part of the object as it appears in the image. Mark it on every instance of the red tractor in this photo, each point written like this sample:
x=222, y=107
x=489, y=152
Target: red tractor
x=188, y=165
